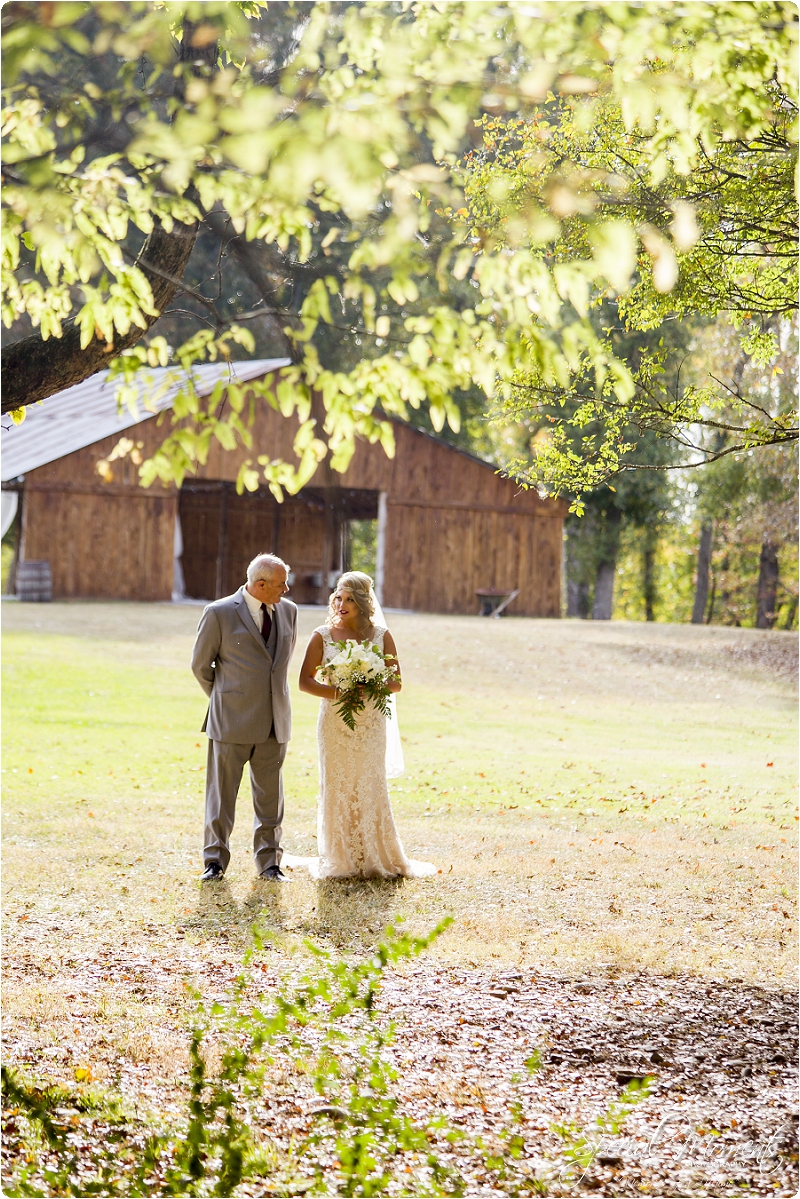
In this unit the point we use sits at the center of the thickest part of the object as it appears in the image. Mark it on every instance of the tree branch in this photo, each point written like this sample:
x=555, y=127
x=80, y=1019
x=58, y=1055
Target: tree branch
x=34, y=368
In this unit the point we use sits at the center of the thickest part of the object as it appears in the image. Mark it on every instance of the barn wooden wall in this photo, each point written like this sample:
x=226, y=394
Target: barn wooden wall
x=441, y=556
x=453, y=524
x=423, y=468
x=103, y=540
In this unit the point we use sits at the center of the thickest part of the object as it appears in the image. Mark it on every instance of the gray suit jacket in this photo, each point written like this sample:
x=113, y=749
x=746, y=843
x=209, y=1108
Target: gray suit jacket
x=248, y=688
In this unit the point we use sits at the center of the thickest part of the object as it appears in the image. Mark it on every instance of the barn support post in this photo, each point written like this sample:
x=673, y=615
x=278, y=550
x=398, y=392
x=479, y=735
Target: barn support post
x=276, y=530
x=380, y=549
x=23, y=529
x=328, y=550
x=178, y=580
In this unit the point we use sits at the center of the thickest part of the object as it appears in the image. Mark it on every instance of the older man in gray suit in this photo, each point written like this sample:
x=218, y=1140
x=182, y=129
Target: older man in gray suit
x=241, y=658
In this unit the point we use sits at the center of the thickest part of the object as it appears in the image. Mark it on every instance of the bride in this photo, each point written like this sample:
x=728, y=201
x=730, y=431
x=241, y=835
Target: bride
x=356, y=833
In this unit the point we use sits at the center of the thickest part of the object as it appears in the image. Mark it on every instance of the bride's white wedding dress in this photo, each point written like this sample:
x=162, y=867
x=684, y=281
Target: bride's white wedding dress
x=356, y=834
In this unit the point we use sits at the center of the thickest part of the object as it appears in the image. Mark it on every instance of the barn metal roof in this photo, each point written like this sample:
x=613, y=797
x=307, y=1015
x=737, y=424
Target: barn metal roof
x=86, y=413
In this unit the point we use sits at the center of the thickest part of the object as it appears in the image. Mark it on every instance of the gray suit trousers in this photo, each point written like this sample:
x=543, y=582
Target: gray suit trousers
x=226, y=761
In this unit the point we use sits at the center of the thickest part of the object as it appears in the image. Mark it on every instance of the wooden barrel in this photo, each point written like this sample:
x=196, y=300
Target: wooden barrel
x=34, y=582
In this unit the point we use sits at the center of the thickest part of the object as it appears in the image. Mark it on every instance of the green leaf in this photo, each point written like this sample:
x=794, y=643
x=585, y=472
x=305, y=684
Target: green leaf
x=614, y=252
x=225, y=436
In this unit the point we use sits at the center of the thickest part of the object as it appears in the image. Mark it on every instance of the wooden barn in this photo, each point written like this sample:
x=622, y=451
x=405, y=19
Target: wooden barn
x=446, y=524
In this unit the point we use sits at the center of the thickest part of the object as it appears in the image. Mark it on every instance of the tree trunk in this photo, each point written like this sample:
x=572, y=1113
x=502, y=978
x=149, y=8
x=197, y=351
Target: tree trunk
x=604, y=590
x=767, y=585
x=606, y=534
x=703, y=572
x=712, y=598
x=577, y=599
x=34, y=368
x=648, y=574
x=724, y=588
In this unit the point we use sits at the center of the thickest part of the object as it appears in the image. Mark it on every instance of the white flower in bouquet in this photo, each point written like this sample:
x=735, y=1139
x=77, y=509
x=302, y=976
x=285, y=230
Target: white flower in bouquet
x=359, y=671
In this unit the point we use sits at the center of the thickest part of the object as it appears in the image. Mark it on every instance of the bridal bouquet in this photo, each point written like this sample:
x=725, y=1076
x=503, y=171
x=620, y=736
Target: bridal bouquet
x=359, y=672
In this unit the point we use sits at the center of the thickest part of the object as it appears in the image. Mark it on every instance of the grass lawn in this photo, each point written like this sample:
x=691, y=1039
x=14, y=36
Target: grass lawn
x=591, y=793
x=598, y=797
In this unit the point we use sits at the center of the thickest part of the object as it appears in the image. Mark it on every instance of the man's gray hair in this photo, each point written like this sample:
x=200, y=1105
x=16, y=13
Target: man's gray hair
x=265, y=565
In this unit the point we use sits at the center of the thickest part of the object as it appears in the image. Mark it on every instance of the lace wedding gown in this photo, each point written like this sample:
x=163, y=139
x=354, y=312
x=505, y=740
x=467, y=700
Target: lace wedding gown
x=356, y=833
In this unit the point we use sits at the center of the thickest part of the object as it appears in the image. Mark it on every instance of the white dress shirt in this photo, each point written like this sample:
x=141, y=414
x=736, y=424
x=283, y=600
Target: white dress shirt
x=255, y=609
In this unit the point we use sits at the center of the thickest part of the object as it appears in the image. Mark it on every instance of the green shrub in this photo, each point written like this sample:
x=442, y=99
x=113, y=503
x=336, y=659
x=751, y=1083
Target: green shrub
x=326, y=1024
x=322, y=1028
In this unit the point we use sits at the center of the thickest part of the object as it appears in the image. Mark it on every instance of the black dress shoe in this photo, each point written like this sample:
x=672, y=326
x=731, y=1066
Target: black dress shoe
x=212, y=871
x=274, y=874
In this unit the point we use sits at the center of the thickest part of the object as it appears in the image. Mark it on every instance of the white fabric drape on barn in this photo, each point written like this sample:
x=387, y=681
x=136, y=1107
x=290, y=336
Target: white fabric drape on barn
x=10, y=503
x=394, y=748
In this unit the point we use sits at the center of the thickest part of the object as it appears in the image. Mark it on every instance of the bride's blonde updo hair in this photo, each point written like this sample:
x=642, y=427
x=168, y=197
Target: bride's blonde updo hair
x=360, y=587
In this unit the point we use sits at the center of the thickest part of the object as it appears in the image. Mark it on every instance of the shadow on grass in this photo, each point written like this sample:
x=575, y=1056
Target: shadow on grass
x=355, y=911
x=345, y=913
x=264, y=904
x=217, y=911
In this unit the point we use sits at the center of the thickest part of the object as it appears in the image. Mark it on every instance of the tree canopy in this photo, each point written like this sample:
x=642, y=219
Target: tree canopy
x=325, y=143
x=720, y=238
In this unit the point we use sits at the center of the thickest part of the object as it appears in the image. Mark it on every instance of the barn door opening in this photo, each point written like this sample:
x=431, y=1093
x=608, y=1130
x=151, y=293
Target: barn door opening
x=362, y=546
x=357, y=513
x=320, y=532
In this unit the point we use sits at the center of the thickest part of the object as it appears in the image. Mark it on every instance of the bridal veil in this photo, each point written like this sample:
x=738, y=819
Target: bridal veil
x=394, y=749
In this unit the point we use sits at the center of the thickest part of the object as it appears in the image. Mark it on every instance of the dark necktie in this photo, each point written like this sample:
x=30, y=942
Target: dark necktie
x=266, y=627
